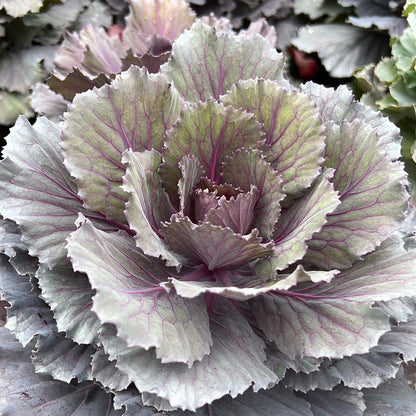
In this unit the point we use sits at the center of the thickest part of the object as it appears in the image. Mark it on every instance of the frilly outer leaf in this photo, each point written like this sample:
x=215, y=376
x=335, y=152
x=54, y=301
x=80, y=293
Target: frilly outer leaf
x=246, y=168
x=318, y=326
x=372, y=194
x=26, y=393
x=293, y=129
x=129, y=296
x=214, y=246
x=276, y=401
x=134, y=113
x=234, y=364
x=69, y=295
x=36, y=190
x=149, y=204
x=205, y=64
x=192, y=289
x=336, y=319
x=337, y=106
x=211, y=132
x=393, y=398
x=20, y=8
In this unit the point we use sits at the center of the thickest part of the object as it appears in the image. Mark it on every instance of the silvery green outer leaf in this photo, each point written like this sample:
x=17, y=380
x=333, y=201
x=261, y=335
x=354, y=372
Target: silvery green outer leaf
x=401, y=339
x=357, y=371
x=128, y=295
x=338, y=106
x=342, y=48
x=234, y=364
x=36, y=191
x=393, y=398
x=359, y=223
x=26, y=393
x=69, y=295
x=130, y=400
x=205, y=64
x=62, y=358
x=105, y=372
x=112, y=127
x=28, y=315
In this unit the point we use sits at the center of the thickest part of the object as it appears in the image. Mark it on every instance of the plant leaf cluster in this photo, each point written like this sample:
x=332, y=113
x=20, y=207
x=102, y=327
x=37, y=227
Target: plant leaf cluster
x=207, y=239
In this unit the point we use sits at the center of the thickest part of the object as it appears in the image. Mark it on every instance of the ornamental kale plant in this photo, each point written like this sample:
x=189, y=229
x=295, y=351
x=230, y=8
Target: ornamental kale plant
x=208, y=239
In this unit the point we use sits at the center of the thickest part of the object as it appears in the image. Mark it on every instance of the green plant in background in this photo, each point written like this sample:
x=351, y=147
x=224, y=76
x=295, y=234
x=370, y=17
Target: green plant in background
x=207, y=238
x=390, y=86
x=348, y=34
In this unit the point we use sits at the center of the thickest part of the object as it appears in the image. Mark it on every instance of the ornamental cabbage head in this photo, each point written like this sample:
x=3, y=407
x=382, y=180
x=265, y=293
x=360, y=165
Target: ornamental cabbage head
x=211, y=239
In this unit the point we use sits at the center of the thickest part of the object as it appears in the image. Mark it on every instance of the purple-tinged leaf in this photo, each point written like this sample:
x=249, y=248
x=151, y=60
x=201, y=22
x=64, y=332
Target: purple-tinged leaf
x=134, y=112
x=192, y=171
x=318, y=325
x=69, y=295
x=62, y=358
x=358, y=371
x=297, y=224
x=191, y=289
x=205, y=63
x=339, y=106
x=214, y=246
x=22, y=68
x=129, y=296
x=246, y=168
x=91, y=51
x=48, y=103
x=148, y=205
x=234, y=364
x=293, y=129
x=26, y=393
x=149, y=20
x=235, y=213
x=28, y=315
x=393, y=398
x=372, y=194
x=105, y=372
x=36, y=190
x=401, y=339
x=276, y=401
x=131, y=401
x=385, y=274
x=211, y=132
x=340, y=401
